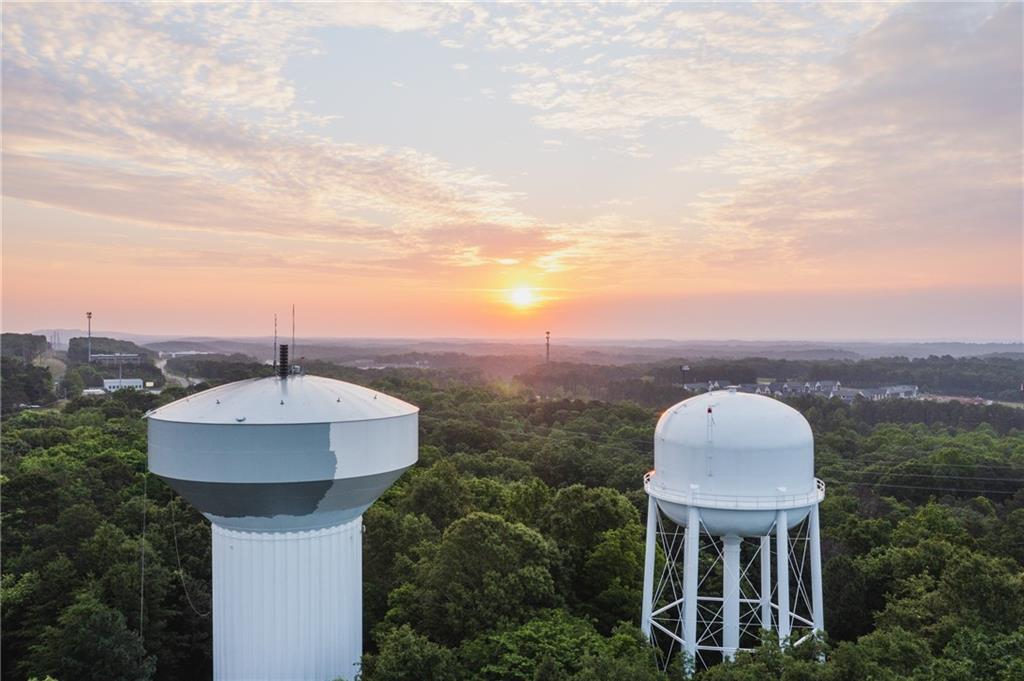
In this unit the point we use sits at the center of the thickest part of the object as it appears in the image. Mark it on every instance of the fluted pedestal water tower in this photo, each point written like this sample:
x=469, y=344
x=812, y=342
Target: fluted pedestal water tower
x=284, y=467
x=733, y=503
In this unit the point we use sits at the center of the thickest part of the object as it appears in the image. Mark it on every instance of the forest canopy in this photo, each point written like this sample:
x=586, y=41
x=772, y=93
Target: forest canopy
x=535, y=504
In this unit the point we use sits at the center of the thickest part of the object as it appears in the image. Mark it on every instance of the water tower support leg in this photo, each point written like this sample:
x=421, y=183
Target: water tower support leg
x=766, y=582
x=730, y=595
x=817, y=601
x=690, y=584
x=782, y=568
x=649, y=555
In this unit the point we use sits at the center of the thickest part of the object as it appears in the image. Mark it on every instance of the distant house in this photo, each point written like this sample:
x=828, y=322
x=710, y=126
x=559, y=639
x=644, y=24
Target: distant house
x=903, y=391
x=94, y=392
x=906, y=392
x=113, y=384
x=826, y=387
x=788, y=388
x=701, y=387
x=851, y=394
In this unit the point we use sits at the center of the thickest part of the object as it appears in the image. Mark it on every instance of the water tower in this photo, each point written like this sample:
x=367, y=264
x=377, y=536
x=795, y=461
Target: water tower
x=284, y=468
x=733, y=476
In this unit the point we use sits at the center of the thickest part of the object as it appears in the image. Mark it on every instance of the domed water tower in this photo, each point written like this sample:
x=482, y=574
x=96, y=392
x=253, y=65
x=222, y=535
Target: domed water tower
x=284, y=468
x=733, y=475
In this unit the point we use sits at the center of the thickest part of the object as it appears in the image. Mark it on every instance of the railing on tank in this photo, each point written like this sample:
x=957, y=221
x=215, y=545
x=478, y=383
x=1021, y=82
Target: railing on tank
x=736, y=501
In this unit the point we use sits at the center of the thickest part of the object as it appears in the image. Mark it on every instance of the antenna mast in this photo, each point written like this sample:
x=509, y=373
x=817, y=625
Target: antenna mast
x=273, y=357
x=88, y=317
x=294, y=354
x=547, y=347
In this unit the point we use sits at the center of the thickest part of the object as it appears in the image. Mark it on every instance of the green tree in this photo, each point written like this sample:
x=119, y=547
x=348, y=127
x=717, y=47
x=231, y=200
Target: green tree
x=407, y=656
x=92, y=643
x=552, y=645
x=72, y=384
x=626, y=655
x=610, y=585
x=577, y=520
x=486, y=572
x=22, y=383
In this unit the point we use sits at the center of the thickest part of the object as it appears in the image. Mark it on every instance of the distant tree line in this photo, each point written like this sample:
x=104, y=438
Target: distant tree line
x=78, y=349
x=218, y=368
x=23, y=346
x=995, y=376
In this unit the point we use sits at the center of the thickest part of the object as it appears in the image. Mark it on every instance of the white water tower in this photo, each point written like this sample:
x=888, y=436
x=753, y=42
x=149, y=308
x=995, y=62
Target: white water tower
x=732, y=472
x=284, y=468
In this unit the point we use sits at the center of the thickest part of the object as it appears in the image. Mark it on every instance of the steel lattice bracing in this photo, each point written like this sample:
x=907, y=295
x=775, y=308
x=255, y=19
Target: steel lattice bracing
x=735, y=587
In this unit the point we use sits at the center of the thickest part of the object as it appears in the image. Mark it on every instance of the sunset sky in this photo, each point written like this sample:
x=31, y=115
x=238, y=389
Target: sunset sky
x=832, y=171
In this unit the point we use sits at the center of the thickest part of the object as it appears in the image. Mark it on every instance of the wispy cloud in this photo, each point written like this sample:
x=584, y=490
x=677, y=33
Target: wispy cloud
x=181, y=117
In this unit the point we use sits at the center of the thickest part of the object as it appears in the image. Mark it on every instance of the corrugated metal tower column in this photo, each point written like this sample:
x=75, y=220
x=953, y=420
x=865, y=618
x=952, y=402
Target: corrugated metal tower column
x=272, y=619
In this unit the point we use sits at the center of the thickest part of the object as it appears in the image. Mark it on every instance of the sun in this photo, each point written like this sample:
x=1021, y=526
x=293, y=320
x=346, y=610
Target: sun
x=522, y=297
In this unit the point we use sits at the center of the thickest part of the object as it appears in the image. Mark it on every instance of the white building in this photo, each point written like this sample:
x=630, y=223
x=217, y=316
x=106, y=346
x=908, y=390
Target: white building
x=114, y=384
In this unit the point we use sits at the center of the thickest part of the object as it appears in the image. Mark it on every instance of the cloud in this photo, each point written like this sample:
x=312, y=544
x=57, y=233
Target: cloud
x=917, y=147
x=181, y=117
x=858, y=136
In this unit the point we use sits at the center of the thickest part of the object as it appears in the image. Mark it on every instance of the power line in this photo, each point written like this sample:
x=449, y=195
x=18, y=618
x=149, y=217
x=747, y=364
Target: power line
x=926, y=475
x=142, y=559
x=181, y=570
x=845, y=468
x=646, y=442
x=924, y=487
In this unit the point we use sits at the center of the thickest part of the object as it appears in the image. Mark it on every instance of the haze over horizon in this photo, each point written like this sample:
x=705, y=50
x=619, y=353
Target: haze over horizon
x=772, y=172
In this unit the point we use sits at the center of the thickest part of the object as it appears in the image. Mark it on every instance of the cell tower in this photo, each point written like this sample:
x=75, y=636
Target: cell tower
x=733, y=475
x=284, y=468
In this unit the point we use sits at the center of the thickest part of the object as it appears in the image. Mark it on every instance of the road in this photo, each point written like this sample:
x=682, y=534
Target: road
x=174, y=379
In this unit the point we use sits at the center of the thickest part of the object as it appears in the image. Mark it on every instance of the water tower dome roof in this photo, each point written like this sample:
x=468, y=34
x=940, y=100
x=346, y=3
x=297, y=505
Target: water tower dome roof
x=297, y=399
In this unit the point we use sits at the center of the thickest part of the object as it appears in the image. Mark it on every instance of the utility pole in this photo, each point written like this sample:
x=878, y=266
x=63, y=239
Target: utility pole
x=547, y=347
x=88, y=317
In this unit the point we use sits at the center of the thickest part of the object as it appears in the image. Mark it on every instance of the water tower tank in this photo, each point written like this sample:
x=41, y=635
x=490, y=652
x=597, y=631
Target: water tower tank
x=284, y=468
x=738, y=455
x=730, y=466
